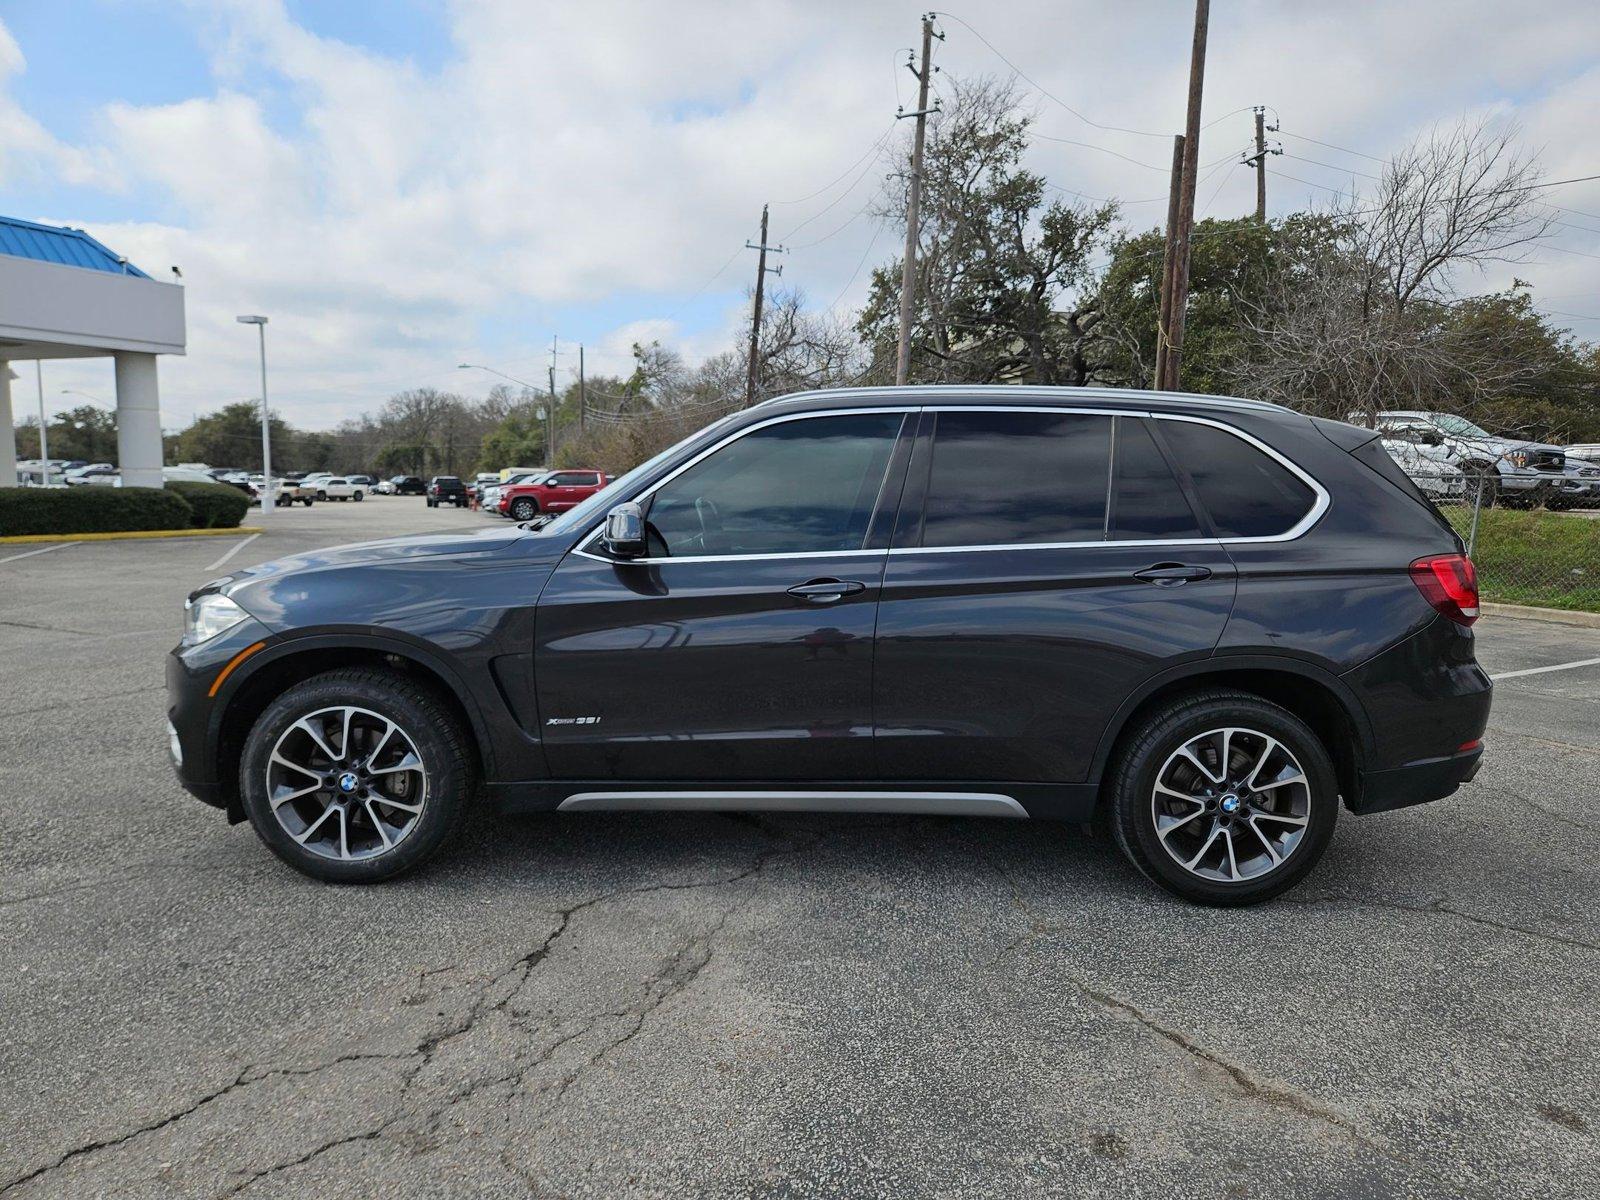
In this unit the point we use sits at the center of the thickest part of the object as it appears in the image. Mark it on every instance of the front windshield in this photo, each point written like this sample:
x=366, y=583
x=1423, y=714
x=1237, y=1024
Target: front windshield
x=1457, y=426
x=611, y=493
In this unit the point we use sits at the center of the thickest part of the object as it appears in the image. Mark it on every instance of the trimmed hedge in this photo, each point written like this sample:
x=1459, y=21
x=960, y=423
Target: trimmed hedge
x=215, y=505
x=91, y=510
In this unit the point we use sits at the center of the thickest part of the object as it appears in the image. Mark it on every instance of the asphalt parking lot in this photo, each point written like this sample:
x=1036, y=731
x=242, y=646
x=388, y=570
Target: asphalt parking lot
x=732, y=1006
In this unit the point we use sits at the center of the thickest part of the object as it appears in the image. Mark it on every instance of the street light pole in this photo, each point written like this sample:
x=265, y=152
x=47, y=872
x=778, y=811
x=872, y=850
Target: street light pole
x=267, y=498
x=44, y=440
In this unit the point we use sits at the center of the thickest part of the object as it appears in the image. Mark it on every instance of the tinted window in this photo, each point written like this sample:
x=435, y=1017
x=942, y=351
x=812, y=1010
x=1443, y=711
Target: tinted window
x=1245, y=493
x=1147, y=501
x=1003, y=478
x=793, y=488
x=575, y=479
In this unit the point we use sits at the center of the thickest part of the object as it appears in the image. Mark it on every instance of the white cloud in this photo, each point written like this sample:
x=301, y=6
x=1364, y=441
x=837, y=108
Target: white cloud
x=567, y=157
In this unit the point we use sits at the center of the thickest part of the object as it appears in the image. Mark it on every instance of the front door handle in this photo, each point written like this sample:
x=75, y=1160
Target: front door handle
x=1172, y=574
x=826, y=591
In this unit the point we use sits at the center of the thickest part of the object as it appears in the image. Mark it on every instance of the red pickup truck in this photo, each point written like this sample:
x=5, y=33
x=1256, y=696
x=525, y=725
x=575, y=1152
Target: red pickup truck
x=553, y=493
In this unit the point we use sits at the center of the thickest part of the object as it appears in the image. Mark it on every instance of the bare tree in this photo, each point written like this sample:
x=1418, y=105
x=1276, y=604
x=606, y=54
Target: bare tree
x=1361, y=321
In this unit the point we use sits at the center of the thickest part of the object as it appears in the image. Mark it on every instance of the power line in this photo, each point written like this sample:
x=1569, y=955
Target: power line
x=1042, y=90
x=882, y=137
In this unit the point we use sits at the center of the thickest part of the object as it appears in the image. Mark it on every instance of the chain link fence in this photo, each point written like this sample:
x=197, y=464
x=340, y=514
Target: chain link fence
x=1534, y=556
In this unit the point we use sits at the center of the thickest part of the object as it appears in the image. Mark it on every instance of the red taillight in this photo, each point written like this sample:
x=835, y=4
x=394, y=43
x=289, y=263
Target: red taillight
x=1449, y=583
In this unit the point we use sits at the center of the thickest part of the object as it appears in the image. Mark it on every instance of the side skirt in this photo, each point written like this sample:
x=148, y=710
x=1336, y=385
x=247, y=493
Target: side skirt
x=964, y=798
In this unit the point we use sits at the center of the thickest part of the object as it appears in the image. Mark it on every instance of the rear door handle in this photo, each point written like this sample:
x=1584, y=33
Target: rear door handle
x=1172, y=574
x=826, y=591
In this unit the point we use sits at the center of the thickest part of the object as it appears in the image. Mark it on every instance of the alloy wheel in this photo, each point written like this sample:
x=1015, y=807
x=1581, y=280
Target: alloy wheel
x=1231, y=804
x=346, y=783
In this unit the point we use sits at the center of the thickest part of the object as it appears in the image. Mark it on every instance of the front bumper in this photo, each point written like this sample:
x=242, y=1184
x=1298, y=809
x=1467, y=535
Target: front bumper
x=1416, y=782
x=194, y=716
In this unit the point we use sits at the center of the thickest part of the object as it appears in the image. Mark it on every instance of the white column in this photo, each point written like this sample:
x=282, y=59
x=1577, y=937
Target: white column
x=138, y=420
x=8, y=436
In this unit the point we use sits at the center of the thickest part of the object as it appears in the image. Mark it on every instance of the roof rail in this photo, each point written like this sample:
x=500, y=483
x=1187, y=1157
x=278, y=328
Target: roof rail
x=1053, y=392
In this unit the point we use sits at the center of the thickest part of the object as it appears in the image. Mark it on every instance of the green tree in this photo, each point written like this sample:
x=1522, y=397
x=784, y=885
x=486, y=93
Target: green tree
x=1005, y=283
x=231, y=437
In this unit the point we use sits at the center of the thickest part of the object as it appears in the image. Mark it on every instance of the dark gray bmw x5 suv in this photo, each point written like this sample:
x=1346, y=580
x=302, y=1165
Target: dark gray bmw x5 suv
x=1210, y=623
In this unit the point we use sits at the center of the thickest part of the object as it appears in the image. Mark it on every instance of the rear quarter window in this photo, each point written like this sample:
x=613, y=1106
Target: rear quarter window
x=1246, y=493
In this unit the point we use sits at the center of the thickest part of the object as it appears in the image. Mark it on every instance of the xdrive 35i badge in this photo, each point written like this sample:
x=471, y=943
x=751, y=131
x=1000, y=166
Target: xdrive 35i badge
x=573, y=721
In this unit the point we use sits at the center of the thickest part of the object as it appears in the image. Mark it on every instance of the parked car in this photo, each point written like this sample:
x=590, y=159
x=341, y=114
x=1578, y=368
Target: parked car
x=489, y=497
x=340, y=488
x=363, y=481
x=95, y=474
x=286, y=491
x=1581, y=487
x=1512, y=471
x=1211, y=621
x=446, y=489
x=553, y=493
x=1429, y=468
x=407, y=485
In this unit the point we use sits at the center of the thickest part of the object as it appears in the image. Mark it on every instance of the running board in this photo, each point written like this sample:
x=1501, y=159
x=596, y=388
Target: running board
x=945, y=804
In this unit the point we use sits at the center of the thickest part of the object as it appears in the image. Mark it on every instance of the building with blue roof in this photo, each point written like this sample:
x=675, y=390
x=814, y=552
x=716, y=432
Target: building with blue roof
x=64, y=294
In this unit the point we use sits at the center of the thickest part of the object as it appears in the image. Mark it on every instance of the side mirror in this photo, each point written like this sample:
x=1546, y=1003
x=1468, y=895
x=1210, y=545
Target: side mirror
x=624, y=532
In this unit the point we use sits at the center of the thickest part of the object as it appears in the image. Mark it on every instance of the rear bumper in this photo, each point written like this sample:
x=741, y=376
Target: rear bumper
x=1416, y=782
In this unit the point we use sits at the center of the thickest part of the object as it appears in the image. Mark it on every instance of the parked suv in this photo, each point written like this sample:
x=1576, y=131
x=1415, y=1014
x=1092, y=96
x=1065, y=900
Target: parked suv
x=1517, y=473
x=446, y=489
x=1208, y=622
x=552, y=493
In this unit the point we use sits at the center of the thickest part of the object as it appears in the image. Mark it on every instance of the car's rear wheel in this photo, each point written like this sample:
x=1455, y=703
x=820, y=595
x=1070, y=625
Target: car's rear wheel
x=357, y=497
x=1224, y=798
x=356, y=775
x=524, y=509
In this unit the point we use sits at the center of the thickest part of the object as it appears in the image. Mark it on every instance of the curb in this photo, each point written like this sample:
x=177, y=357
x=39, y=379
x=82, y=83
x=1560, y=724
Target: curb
x=1558, y=616
x=128, y=534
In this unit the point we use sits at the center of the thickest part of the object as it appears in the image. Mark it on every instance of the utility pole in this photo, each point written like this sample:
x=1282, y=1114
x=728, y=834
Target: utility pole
x=550, y=422
x=1191, y=162
x=755, y=319
x=1258, y=160
x=908, y=265
x=1168, y=262
x=583, y=397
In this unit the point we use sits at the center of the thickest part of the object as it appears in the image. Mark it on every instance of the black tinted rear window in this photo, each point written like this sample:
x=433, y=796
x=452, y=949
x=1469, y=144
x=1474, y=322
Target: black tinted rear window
x=1009, y=478
x=1246, y=493
x=1147, y=501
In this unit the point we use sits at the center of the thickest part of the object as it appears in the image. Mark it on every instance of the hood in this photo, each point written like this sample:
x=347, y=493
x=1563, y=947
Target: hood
x=418, y=546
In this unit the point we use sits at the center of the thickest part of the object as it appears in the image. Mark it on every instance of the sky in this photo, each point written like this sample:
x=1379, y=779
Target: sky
x=405, y=185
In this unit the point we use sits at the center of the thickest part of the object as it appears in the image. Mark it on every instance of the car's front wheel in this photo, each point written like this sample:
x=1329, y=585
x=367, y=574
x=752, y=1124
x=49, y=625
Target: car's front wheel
x=1223, y=798
x=524, y=509
x=356, y=775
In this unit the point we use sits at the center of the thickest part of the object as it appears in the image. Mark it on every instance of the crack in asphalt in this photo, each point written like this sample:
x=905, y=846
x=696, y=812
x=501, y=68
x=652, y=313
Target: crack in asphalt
x=1245, y=1081
x=677, y=974
x=1434, y=905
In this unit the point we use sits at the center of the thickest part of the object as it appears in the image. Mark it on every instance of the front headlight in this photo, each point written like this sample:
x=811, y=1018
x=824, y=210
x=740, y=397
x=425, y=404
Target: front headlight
x=1518, y=458
x=209, y=615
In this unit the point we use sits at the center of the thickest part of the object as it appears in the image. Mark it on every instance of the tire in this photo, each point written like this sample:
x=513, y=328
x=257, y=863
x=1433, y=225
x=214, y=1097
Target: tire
x=430, y=502
x=1482, y=479
x=1271, y=851
x=357, y=497
x=322, y=495
x=376, y=849
x=524, y=509
x=306, y=501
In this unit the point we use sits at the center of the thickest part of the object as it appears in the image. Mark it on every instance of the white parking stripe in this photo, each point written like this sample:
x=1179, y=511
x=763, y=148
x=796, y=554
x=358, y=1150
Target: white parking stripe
x=1582, y=662
x=232, y=552
x=41, y=550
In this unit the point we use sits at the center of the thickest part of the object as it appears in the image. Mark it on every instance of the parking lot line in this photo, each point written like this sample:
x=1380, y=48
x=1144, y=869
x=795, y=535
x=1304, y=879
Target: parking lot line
x=1582, y=662
x=41, y=550
x=233, y=551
